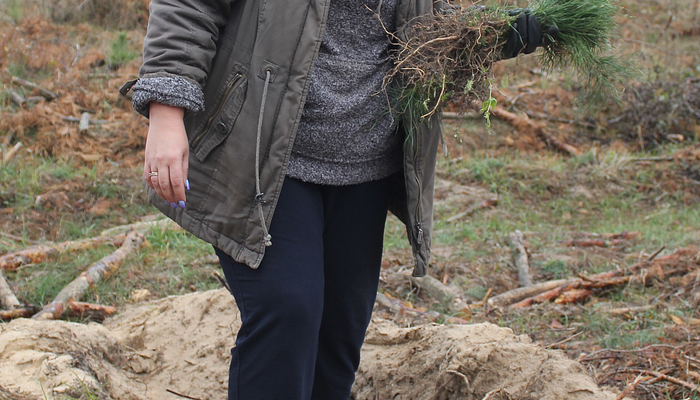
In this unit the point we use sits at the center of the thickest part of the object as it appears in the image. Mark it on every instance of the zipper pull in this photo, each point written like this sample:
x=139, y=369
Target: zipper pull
x=419, y=233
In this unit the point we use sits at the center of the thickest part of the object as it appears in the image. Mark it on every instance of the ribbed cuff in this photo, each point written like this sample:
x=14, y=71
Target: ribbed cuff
x=171, y=91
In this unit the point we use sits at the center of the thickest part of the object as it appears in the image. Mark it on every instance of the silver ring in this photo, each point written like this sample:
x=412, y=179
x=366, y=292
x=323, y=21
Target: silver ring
x=150, y=174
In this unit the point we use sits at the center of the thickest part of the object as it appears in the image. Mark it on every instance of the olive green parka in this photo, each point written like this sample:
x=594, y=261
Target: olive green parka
x=252, y=61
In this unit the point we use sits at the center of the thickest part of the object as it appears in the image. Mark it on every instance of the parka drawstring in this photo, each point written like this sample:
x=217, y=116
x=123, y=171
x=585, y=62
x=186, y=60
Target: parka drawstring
x=259, y=195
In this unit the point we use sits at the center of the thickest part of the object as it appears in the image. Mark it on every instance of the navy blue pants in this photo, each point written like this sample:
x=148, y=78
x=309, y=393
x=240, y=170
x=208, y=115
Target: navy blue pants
x=305, y=310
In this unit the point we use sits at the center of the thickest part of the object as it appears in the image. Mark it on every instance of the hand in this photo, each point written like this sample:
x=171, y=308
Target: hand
x=526, y=34
x=167, y=154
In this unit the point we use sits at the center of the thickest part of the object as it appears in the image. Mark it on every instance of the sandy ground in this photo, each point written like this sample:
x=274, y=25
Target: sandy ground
x=181, y=344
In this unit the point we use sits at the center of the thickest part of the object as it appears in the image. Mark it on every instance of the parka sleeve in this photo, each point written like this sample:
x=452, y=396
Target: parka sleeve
x=177, y=52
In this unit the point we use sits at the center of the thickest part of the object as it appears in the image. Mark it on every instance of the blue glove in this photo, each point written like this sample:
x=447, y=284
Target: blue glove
x=526, y=34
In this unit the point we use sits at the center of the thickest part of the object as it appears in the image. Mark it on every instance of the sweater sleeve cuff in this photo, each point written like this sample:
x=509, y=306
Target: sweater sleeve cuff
x=171, y=91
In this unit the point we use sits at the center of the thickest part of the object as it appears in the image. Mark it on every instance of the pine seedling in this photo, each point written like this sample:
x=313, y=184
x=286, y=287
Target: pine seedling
x=449, y=56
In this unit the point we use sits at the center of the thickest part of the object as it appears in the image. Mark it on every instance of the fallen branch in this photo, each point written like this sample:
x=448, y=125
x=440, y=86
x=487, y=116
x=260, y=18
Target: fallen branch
x=9, y=154
x=525, y=124
x=144, y=227
x=41, y=253
x=17, y=99
x=595, y=282
x=628, y=310
x=97, y=272
x=515, y=295
x=94, y=312
x=23, y=312
x=47, y=94
x=8, y=300
x=520, y=259
x=594, y=242
x=442, y=293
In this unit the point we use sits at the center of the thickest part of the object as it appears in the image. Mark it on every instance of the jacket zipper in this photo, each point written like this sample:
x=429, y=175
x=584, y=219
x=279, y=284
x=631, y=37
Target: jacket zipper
x=417, y=224
x=229, y=86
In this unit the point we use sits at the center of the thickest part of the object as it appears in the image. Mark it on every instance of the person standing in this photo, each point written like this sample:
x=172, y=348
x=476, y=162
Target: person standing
x=271, y=138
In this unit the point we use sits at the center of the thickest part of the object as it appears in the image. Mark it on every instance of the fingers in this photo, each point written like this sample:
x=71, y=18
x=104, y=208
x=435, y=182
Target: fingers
x=550, y=35
x=515, y=42
x=167, y=154
x=177, y=185
x=522, y=29
x=534, y=34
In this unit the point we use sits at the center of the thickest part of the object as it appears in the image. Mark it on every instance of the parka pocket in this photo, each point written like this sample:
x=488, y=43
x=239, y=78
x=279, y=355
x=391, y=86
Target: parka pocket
x=220, y=124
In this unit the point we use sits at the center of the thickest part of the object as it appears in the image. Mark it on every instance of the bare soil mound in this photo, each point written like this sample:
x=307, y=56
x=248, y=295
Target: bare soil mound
x=181, y=345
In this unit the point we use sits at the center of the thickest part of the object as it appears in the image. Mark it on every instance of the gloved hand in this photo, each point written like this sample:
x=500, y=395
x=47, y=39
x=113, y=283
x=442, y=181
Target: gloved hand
x=526, y=34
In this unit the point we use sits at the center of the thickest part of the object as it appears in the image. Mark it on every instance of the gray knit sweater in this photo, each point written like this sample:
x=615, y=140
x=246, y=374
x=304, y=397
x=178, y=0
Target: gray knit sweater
x=347, y=134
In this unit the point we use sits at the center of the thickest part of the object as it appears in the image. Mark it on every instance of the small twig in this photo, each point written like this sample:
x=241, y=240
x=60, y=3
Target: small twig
x=182, y=395
x=460, y=115
x=671, y=379
x=494, y=391
x=566, y=340
x=656, y=253
x=466, y=380
x=78, y=120
x=221, y=279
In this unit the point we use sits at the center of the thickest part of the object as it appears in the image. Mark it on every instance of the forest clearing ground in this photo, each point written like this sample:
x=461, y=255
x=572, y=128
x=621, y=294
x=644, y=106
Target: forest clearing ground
x=66, y=184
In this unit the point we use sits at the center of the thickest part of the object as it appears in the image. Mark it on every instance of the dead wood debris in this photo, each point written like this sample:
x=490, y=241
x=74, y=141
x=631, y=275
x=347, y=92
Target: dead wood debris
x=520, y=258
x=22, y=312
x=603, y=240
x=407, y=309
x=659, y=112
x=97, y=272
x=93, y=312
x=527, y=126
x=41, y=253
x=47, y=94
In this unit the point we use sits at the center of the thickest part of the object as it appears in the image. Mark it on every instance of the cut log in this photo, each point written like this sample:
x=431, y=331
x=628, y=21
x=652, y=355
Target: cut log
x=22, y=312
x=516, y=295
x=47, y=94
x=526, y=125
x=520, y=259
x=41, y=253
x=97, y=272
x=8, y=300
